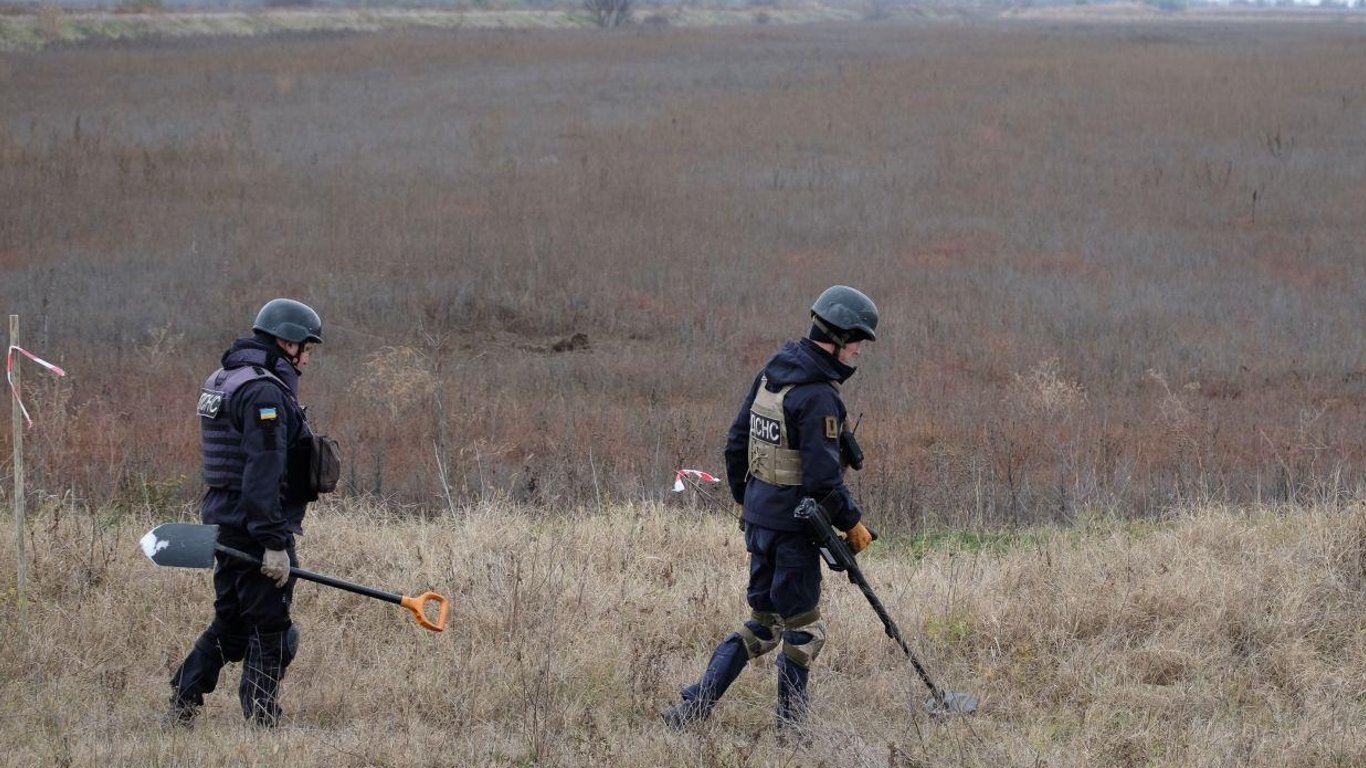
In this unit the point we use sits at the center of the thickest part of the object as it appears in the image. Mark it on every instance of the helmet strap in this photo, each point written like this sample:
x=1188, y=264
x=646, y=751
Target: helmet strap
x=292, y=358
x=839, y=338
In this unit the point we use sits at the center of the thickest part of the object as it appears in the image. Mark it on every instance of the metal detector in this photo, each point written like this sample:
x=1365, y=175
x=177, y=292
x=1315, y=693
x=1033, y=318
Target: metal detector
x=835, y=550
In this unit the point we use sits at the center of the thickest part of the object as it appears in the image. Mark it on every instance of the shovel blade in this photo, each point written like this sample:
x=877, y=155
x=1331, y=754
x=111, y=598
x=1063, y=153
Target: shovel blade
x=952, y=703
x=181, y=545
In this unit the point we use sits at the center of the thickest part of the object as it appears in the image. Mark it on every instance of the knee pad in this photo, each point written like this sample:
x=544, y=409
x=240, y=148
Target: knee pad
x=803, y=638
x=760, y=633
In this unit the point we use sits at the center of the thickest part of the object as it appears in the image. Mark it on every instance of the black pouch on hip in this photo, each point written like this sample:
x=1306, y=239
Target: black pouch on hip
x=314, y=467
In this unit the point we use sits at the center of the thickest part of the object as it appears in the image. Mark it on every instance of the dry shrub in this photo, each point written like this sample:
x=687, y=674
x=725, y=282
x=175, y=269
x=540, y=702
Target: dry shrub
x=1045, y=394
x=162, y=343
x=1173, y=408
x=395, y=379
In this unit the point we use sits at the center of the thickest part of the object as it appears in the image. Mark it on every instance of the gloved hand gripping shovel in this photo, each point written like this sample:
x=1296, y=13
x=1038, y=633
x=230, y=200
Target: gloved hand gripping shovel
x=187, y=545
x=840, y=558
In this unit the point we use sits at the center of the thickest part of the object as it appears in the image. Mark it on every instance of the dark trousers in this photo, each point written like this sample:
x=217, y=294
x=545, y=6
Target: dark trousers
x=784, y=579
x=784, y=571
x=251, y=623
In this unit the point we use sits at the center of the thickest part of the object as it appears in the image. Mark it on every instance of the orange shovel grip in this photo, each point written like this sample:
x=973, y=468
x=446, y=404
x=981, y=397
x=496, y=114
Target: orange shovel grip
x=418, y=606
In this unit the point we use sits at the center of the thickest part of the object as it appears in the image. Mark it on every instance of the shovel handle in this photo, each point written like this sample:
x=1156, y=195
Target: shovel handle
x=415, y=604
x=418, y=606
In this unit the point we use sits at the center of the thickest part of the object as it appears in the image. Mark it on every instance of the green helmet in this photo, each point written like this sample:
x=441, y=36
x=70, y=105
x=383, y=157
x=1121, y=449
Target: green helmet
x=289, y=320
x=845, y=314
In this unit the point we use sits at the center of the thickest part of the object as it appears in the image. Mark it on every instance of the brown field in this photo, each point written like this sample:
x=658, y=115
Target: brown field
x=1120, y=266
x=1122, y=280
x=1220, y=638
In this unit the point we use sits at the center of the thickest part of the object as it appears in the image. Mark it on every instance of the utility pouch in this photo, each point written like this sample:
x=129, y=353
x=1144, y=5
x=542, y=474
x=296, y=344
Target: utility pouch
x=325, y=470
x=314, y=467
x=851, y=455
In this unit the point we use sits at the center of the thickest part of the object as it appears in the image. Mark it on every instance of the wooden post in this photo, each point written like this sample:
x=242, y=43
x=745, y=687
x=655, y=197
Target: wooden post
x=17, y=420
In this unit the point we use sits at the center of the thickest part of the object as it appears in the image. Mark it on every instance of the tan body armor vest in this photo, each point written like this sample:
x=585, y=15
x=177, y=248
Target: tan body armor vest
x=771, y=457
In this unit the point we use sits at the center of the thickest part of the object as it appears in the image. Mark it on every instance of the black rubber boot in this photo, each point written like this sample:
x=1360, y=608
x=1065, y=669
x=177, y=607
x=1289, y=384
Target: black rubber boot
x=268, y=655
x=180, y=714
x=727, y=662
x=198, y=673
x=793, y=702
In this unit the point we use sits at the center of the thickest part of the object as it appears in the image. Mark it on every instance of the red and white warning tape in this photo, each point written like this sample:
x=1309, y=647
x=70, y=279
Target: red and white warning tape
x=9, y=375
x=705, y=477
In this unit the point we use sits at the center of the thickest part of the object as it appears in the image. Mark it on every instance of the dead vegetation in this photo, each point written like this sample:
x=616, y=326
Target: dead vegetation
x=1119, y=265
x=1221, y=637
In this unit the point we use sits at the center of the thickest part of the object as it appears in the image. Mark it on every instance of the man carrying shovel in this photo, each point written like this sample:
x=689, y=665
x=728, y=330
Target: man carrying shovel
x=255, y=445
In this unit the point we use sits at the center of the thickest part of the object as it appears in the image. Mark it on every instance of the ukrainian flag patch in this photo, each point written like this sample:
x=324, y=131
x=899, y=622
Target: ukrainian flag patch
x=266, y=414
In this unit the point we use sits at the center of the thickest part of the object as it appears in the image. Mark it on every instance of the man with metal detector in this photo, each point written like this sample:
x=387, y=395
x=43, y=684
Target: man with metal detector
x=789, y=442
x=261, y=467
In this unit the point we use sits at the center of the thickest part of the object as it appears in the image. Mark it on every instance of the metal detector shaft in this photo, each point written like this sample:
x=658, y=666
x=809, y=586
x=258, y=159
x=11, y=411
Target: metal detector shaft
x=839, y=557
x=893, y=631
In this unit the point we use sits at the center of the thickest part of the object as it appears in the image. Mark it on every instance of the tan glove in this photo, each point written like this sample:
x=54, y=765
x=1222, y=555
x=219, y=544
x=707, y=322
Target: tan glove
x=858, y=537
x=275, y=566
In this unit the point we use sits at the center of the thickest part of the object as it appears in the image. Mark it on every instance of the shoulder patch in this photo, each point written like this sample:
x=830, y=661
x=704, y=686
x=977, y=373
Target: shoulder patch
x=832, y=428
x=265, y=414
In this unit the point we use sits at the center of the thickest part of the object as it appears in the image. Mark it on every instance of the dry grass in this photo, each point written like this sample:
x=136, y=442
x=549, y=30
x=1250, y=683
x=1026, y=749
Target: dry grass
x=1064, y=208
x=1221, y=637
x=1120, y=274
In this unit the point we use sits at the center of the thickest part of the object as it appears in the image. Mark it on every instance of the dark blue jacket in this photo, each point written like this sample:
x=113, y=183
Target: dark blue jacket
x=260, y=507
x=815, y=395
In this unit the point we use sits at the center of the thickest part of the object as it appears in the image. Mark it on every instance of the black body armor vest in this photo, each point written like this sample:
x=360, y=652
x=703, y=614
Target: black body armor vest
x=220, y=439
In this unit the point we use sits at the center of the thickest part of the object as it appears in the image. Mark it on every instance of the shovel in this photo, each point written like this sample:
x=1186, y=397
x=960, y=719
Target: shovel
x=188, y=545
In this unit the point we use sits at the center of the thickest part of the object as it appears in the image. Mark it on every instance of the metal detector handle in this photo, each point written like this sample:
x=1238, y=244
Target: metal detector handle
x=843, y=561
x=834, y=548
x=416, y=606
